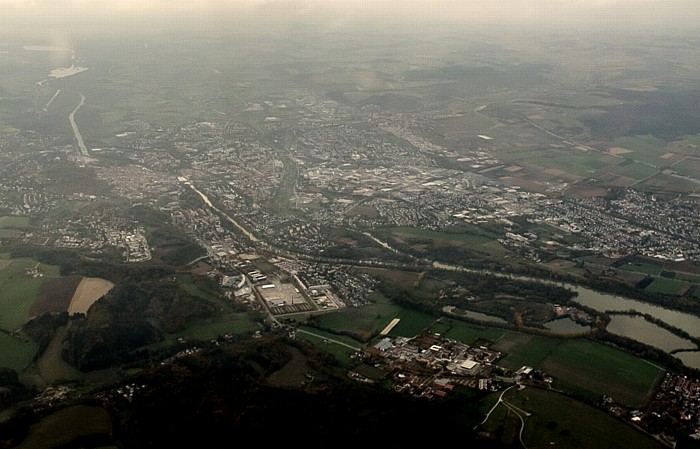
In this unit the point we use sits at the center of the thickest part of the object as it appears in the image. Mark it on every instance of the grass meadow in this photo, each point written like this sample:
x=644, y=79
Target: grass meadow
x=524, y=350
x=16, y=352
x=9, y=221
x=591, y=370
x=206, y=329
x=467, y=333
x=645, y=268
x=362, y=320
x=19, y=290
x=63, y=427
x=322, y=340
x=466, y=239
x=583, y=367
x=556, y=420
x=667, y=286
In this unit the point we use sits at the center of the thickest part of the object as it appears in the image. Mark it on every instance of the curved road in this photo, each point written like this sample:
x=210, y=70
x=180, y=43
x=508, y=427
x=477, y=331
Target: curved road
x=500, y=398
x=517, y=410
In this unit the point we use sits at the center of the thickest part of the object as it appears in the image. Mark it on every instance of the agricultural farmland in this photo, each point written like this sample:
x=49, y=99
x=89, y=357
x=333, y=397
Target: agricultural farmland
x=20, y=281
x=581, y=366
x=592, y=370
x=550, y=419
x=88, y=291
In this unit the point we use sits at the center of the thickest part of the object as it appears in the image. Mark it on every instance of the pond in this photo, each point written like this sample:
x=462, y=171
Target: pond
x=637, y=328
x=482, y=316
x=566, y=326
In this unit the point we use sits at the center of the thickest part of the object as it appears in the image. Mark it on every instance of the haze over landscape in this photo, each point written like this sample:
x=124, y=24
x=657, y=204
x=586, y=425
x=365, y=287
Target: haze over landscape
x=348, y=222
x=648, y=16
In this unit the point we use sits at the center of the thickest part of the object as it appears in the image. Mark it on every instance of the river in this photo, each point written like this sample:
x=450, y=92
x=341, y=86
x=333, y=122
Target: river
x=640, y=330
x=603, y=301
x=482, y=316
x=208, y=202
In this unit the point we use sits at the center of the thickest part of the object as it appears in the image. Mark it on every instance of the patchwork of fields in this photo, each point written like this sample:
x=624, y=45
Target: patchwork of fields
x=30, y=289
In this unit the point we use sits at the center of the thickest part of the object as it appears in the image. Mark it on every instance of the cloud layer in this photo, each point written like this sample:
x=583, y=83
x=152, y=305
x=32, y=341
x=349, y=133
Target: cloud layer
x=635, y=14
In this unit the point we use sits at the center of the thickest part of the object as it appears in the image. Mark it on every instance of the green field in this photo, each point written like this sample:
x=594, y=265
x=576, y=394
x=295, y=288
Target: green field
x=645, y=268
x=689, y=167
x=466, y=238
x=592, y=370
x=67, y=426
x=412, y=323
x=635, y=170
x=667, y=286
x=16, y=352
x=10, y=221
x=559, y=421
x=581, y=366
x=374, y=318
x=524, y=350
x=187, y=283
x=206, y=329
x=323, y=341
x=461, y=238
x=467, y=333
x=645, y=148
x=19, y=291
x=686, y=277
x=362, y=320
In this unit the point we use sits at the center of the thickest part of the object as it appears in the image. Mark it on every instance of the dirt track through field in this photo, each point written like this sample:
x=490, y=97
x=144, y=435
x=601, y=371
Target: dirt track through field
x=89, y=290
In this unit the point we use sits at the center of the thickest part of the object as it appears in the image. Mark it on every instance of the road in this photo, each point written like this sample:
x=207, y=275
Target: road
x=78, y=137
x=520, y=413
x=500, y=398
x=338, y=342
x=52, y=99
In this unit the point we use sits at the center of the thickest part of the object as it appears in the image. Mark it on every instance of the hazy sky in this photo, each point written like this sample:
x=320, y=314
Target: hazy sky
x=632, y=14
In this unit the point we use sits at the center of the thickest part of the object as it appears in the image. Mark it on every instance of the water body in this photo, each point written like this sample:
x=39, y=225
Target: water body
x=647, y=333
x=602, y=302
x=691, y=359
x=637, y=328
x=605, y=301
x=482, y=316
x=566, y=326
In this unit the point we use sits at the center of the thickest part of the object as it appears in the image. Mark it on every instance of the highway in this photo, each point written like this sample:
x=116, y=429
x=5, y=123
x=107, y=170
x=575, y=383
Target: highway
x=78, y=137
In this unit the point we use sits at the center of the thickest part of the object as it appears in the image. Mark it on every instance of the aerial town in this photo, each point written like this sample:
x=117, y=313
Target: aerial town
x=372, y=185
x=277, y=207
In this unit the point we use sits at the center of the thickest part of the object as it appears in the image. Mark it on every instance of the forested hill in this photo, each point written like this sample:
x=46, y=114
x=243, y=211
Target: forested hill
x=222, y=395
